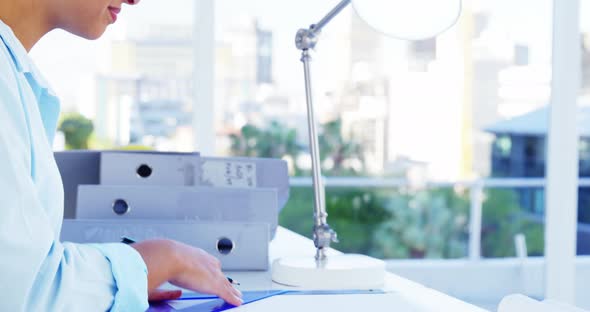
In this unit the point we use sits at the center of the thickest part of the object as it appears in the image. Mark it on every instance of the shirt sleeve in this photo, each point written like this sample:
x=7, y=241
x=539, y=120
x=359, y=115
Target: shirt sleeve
x=37, y=271
x=130, y=274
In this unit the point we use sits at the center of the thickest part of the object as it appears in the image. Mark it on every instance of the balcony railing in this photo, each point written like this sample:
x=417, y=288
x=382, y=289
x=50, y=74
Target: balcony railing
x=476, y=191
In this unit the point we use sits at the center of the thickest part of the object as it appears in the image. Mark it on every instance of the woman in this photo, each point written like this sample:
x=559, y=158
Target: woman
x=37, y=271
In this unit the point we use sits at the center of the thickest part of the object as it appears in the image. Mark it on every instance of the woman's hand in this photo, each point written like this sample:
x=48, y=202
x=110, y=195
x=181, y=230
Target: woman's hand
x=184, y=266
x=163, y=295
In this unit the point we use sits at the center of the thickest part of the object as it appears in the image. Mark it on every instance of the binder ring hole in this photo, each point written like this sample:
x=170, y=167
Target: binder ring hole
x=225, y=246
x=144, y=171
x=120, y=207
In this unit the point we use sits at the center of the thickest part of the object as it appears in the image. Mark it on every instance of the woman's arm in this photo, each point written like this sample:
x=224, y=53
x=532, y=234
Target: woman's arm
x=37, y=271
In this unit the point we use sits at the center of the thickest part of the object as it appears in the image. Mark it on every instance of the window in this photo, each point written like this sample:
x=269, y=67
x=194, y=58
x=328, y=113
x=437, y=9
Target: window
x=415, y=111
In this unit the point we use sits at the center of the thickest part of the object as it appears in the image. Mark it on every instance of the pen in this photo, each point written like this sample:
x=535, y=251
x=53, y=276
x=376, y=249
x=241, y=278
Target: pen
x=232, y=281
x=128, y=240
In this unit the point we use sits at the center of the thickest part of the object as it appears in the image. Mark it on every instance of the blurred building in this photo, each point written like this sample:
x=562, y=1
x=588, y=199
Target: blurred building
x=148, y=92
x=512, y=71
x=364, y=98
x=586, y=63
x=519, y=151
x=264, y=53
x=398, y=103
x=424, y=102
x=243, y=65
x=147, y=96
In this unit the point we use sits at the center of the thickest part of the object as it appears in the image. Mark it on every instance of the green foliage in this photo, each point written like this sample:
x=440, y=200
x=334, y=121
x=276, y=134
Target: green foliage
x=135, y=148
x=422, y=224
x=502, y=219
x=77, y=130
x=429, y=223
x=353, y=213
x=276, y=141
x=387, y=224
x=297, y=213
x=384, y=223
x=97, y=143
x=334, y=147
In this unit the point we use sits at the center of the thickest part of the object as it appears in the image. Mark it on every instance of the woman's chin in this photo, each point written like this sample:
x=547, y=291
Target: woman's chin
x=95, y=34
x=90, y=34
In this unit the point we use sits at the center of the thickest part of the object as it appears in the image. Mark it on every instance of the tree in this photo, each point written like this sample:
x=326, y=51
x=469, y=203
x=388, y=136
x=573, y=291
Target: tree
x=77, y=130
x=334, y=147
x=353, y=213
x=425, y=224
x=502, y=219
x=276, y=141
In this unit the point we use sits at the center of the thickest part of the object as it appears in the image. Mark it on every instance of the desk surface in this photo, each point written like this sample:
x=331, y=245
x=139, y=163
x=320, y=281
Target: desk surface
x=402, y=294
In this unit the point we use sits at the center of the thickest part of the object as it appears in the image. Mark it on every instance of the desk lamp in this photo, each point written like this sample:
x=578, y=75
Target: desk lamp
x=402, y=19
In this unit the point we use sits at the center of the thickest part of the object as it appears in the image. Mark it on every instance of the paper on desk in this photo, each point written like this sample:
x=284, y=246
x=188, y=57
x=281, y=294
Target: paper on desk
x=196, y=302
x=183, y=304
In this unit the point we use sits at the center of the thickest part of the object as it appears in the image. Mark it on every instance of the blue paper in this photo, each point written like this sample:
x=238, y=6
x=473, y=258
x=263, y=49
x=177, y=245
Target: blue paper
x=217, y=304
x=248, y=296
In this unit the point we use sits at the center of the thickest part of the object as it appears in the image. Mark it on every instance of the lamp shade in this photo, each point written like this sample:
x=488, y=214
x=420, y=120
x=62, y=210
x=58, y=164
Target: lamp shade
x=409, y=19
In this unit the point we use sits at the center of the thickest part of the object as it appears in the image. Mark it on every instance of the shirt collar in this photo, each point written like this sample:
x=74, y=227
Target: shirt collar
x=48, y=103
x=21, y=58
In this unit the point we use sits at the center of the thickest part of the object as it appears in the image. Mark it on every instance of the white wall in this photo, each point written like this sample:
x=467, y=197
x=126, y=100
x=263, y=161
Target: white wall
x=487, y=281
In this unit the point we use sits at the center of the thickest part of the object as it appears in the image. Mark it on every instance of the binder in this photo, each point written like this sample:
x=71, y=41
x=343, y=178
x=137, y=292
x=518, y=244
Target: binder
x=148, y=168
x=238, y=245
x=178, y=203
x=168, y=169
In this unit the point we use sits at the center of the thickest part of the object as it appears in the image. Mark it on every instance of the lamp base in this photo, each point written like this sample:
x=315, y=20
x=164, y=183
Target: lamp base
x=346, y=271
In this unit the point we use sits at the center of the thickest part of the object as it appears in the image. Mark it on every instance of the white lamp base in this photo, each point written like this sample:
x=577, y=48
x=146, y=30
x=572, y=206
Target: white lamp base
x=347, y=271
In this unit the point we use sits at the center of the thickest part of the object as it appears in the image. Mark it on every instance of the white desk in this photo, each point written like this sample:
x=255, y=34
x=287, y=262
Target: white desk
x=402, y=295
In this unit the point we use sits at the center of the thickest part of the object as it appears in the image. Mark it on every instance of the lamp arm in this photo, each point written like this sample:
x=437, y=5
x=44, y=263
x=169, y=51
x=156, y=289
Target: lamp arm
x=322, y=23
x=306, y=39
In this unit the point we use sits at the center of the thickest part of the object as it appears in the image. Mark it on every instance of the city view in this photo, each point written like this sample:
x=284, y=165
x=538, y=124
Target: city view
x=469, y=104
x=432, y=149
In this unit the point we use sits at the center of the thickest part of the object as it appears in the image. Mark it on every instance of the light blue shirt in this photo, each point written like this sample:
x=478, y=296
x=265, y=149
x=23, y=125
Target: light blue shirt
x=37, y=271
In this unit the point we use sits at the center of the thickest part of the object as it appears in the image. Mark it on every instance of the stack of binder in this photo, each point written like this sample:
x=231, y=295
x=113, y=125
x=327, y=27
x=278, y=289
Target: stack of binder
x=227, y=206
